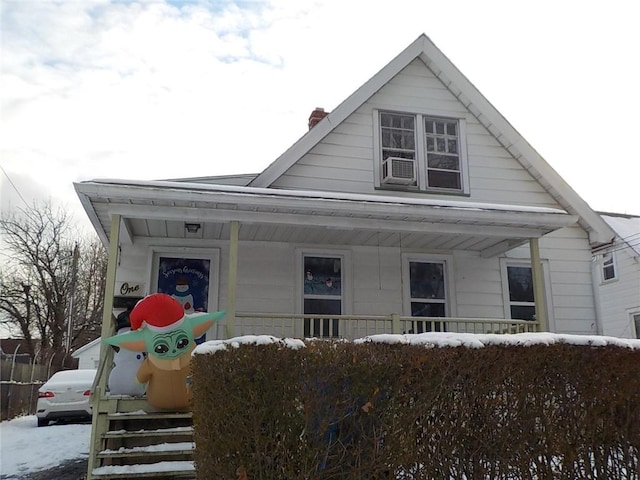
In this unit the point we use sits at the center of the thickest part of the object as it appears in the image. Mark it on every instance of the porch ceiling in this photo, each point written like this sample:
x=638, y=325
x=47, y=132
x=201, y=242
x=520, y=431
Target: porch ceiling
x=159, y=210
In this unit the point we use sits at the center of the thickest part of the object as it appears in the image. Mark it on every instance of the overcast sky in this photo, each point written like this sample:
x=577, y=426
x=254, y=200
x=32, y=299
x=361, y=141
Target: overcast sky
x=155, y=90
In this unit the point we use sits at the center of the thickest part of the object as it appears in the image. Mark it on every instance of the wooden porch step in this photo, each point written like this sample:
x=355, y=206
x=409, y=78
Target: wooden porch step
x=160, y=432
x=161, y=449
x=149, y=416
x=160, y=470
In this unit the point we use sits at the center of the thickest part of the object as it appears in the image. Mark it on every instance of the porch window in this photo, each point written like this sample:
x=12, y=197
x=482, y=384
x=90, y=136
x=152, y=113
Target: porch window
x=322, y=294
x=427, y=287
x=608, y=267
x=521, y=301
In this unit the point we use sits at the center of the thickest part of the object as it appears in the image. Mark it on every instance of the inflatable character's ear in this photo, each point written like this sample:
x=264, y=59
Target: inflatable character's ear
x=201, y=322
x=134, y=340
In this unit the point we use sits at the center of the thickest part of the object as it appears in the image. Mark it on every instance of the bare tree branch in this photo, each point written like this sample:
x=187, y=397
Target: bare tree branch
x=37, y=278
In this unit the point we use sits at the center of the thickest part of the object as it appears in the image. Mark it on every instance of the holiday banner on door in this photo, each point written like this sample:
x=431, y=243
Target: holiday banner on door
x=186, y=280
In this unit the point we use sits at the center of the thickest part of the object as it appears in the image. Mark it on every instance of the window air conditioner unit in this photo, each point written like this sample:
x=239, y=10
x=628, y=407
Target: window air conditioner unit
x=398, y=171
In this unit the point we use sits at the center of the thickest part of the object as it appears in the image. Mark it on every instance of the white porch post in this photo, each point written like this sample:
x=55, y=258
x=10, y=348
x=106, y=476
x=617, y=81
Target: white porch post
x=106, y=352
x=538, y=284
x=233, y=278
x=109, y=291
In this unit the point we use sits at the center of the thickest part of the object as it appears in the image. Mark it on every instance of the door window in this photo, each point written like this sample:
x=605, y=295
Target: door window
x=322, y=294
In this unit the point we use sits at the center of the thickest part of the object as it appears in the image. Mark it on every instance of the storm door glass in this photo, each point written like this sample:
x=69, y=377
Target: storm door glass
x=322, y=294
x=521, y=301
x=428, y=294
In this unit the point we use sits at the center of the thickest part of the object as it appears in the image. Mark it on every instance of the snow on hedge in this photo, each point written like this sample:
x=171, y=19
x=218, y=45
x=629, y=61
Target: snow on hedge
x=433, y=339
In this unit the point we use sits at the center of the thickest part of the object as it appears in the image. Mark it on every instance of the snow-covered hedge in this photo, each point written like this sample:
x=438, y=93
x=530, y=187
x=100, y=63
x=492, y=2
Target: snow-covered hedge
x=506, y=406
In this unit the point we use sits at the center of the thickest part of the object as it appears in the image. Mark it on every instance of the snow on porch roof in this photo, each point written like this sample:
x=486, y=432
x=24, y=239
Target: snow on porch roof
x=175, y=201
x=84, y=188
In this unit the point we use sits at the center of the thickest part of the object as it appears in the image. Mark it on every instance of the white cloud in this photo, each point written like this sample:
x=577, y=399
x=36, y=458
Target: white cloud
x=162, y=90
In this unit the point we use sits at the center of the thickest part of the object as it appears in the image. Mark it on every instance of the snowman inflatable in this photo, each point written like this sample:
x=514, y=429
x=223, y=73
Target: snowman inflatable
x=122, y=379
x=183, y=295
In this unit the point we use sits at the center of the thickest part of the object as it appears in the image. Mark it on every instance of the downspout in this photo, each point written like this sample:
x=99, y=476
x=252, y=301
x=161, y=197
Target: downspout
x=595, y=280
x=538, y=285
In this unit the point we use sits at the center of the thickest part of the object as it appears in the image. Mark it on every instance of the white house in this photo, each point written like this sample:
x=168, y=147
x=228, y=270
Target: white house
x=412, y=206
x=414, y=196
x=88, y=355
x=616, y=269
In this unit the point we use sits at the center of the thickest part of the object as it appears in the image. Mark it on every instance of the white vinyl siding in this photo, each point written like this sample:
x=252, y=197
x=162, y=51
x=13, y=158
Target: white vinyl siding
x=345, y=160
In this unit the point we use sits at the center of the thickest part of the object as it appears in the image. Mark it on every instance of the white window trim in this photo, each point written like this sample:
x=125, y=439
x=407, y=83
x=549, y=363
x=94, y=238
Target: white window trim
x=421, y=157
x=632, y=312
x=344, y=255
x=601, y=268
x=514, y=262
x=449, y=294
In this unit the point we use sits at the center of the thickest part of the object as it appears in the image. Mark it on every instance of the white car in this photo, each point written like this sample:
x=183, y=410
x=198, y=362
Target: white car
x=65, y=396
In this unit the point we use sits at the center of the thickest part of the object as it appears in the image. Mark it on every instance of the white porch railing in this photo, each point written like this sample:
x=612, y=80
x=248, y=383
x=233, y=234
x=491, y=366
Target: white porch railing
x=356, y=326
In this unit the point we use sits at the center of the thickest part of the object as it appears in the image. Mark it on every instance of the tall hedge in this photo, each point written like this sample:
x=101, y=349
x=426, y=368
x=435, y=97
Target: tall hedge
x=337, y=410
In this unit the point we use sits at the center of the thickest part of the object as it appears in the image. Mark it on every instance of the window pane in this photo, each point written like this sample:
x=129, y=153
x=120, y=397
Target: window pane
x=426, y=279
x=443, y=162
x=407, y=122
x=452, y=146
x=430, y=144
x=408, y=140
x=523, y=312
x=452, y=128
x=520, y=284
x=386, y=138
x=609, y=272
x=321, y=305
x=419, y=309
x=428, y=126
x=322, y=276
x=440, y=128
x=386, y=153
x=441, y=144
x=439, y=179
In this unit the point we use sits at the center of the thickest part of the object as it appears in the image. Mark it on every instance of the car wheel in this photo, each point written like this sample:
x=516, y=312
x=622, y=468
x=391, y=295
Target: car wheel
x=42, y=422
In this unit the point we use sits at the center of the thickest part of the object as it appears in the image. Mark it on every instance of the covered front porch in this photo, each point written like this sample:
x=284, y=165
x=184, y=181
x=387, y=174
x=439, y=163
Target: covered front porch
x=367, y=232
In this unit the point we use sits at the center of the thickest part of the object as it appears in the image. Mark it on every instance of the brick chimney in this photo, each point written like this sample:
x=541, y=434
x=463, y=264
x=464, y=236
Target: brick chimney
x=317, y=115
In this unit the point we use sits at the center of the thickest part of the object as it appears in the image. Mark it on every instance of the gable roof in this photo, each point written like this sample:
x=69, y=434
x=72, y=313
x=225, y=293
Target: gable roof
x=424, y=49
x=627, y=228
x=88, y=346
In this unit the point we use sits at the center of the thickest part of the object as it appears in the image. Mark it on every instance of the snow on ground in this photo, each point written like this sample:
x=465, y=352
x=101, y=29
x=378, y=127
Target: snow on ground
x=25, y=448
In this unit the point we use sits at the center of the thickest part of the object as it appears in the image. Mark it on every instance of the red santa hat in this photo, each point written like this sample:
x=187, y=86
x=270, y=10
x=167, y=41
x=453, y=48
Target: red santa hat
x=158, y=311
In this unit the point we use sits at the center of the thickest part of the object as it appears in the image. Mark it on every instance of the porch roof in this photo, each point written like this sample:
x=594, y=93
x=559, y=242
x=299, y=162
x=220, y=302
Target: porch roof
x=159, y=209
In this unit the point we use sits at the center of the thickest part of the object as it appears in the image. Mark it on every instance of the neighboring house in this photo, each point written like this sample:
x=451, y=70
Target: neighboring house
x=617, y=277
x=88, y=355
x=413, y=206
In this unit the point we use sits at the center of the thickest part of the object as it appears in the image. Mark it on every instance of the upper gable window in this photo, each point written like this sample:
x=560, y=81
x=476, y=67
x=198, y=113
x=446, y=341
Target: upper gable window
x=422, y=152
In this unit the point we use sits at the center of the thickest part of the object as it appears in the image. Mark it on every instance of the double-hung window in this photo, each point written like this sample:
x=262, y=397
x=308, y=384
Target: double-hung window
x=421, y=152
x=427, y=278
x=608, y=267
x=522, y=304
x=322, y=294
